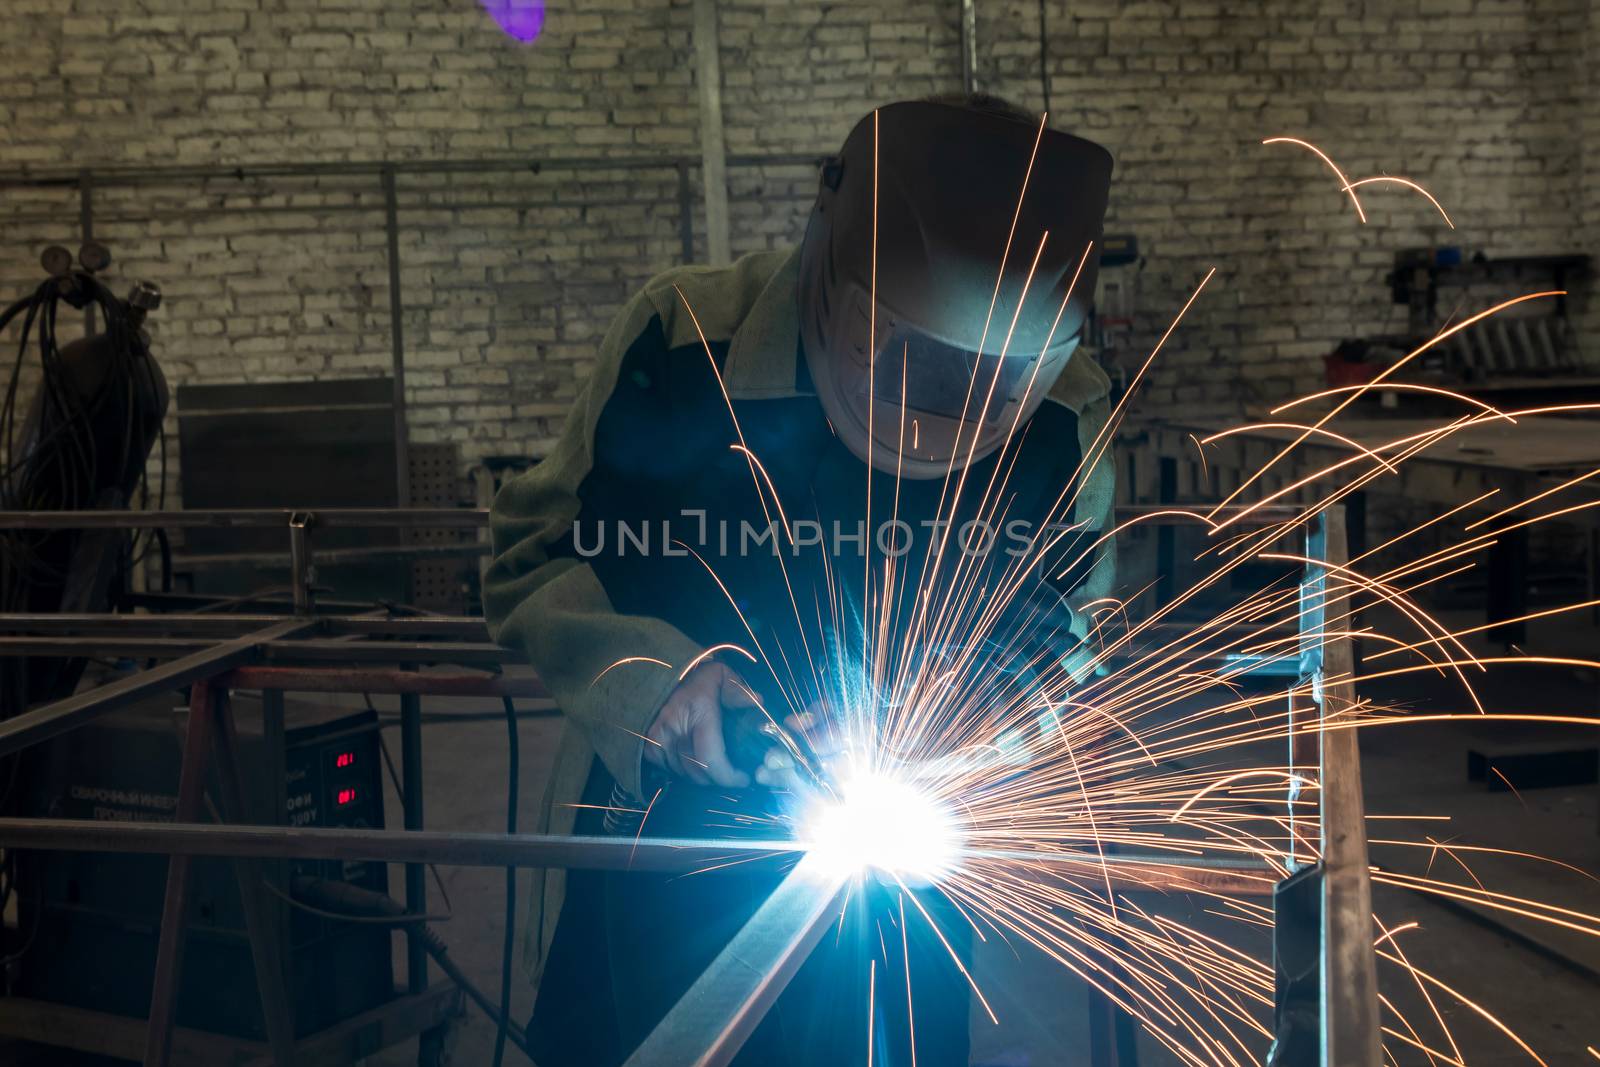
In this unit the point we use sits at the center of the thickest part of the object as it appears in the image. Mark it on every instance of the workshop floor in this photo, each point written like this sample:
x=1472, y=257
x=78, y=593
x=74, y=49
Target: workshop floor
x=1408, y=770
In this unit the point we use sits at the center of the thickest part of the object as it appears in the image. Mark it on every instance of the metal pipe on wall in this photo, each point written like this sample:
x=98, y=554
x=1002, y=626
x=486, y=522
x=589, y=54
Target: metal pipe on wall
x=402, y=436
x=969, y=46
x=713, y=145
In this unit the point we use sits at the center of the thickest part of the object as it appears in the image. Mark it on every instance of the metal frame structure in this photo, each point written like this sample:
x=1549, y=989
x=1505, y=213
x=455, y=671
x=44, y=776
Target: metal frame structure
x=375, y=652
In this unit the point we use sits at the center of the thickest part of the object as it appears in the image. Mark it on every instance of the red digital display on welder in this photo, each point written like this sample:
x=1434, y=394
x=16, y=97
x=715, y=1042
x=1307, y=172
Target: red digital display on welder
x=344, y=796
x=344, y=759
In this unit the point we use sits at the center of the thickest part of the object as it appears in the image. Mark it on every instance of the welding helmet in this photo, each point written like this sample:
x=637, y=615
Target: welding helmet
x=946, y=178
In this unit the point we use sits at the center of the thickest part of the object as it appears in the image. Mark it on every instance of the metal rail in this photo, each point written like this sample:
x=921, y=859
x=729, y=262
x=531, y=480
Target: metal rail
x=448, y=847
x=31, y=727
x=1350, y=1018
x=719, y=1012
x=1141, y=872
x=456, y=518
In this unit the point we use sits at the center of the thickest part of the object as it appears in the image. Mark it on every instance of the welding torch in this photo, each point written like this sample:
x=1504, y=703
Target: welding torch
x=752, y=737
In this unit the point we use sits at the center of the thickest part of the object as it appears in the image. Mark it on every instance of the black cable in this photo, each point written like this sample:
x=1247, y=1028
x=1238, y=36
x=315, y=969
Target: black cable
x=513, y=774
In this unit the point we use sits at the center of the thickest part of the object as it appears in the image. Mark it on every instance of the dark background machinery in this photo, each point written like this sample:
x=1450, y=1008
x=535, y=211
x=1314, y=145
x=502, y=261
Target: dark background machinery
x=90, y=922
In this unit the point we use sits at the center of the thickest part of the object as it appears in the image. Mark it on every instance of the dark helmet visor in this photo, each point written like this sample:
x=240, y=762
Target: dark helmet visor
x=944, y=380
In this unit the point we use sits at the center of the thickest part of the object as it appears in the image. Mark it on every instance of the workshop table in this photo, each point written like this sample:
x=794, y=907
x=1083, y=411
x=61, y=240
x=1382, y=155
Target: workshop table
x=1520, y=460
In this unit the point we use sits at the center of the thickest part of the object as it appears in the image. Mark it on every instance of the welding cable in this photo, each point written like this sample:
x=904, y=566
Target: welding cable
x=59, y=470
x=381, y=907
x=400, y=793
x=401, y=918
x=513, y=774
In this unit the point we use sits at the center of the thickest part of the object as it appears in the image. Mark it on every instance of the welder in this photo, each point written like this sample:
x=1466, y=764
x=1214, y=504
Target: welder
x=615, y=568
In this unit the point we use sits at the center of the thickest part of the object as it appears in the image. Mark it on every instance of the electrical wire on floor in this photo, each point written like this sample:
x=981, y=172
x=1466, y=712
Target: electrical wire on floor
x=348, y=903
x=400, y=794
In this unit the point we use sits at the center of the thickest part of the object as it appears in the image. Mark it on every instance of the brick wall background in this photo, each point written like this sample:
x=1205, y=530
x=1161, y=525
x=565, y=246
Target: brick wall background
x=510, y=275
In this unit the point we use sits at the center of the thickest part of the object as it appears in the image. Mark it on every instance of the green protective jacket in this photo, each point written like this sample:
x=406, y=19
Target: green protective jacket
x=552, y=607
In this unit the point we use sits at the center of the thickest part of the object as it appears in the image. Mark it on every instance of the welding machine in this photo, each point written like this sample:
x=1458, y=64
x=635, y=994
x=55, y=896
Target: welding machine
x=90, y=921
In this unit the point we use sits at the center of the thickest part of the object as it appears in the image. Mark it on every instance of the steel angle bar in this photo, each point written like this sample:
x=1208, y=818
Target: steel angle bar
x=1350, y=1014
x=381, y=680
x=213, y=624
x=244, y=518
x=448, y=848
x=460, y=653
x=20, y=731
x=474, y=518
x=714, y=1018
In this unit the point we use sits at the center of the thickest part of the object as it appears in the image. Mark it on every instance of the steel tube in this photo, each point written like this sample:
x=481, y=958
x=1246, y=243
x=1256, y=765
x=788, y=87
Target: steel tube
x=158, y=174
x=448, y=848
x=250, y=518
x=397, y=343
x=378, y=680
x=462, y=654
x=714, y=1018
x=1350, y=1014
x=411, y=805
x=216, y=624
x=1132, y=873
x=31, y=727
x=457, y=518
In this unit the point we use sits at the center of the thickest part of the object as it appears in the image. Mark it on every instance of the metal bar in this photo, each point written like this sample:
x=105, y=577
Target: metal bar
x=210, y=624
x=713, y=1019
x=86, y=228
x=261, y=928
x=402, y=447
x=302, y=569
x=348, y=680
x=142, y=175
x=1132, y=873
x=186, y=626
x=713, y=145
x=444, y=847
x=1350, y=1021
x=411, y=805
x=482, y=655
x=461, y=654
x=685, y=215
x=51, y=720
x=1305, y=747
x=185, y=561
x=969, y=46
x=274, y=731
x=246, y=518
x=444, y=518
x=175, y=903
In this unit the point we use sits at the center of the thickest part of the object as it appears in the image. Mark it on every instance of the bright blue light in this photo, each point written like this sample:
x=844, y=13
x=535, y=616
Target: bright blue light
x=522, y=19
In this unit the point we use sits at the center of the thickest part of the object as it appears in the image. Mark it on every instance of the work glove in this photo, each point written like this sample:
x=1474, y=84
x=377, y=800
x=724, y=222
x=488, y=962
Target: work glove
x=686, y=737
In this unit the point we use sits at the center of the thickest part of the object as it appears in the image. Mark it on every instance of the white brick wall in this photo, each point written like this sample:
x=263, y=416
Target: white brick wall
x=509, y=277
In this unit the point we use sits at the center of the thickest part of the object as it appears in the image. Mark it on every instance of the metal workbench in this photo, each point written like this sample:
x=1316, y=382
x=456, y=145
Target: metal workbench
x=1516, y=461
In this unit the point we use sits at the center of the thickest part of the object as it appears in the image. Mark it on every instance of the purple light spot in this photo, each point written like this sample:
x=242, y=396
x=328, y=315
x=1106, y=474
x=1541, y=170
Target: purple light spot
x=522, y=19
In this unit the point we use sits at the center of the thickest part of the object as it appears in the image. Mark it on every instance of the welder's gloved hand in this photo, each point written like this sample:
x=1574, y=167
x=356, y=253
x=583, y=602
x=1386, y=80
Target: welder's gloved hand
x=687, y=731
x=1041, y=633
